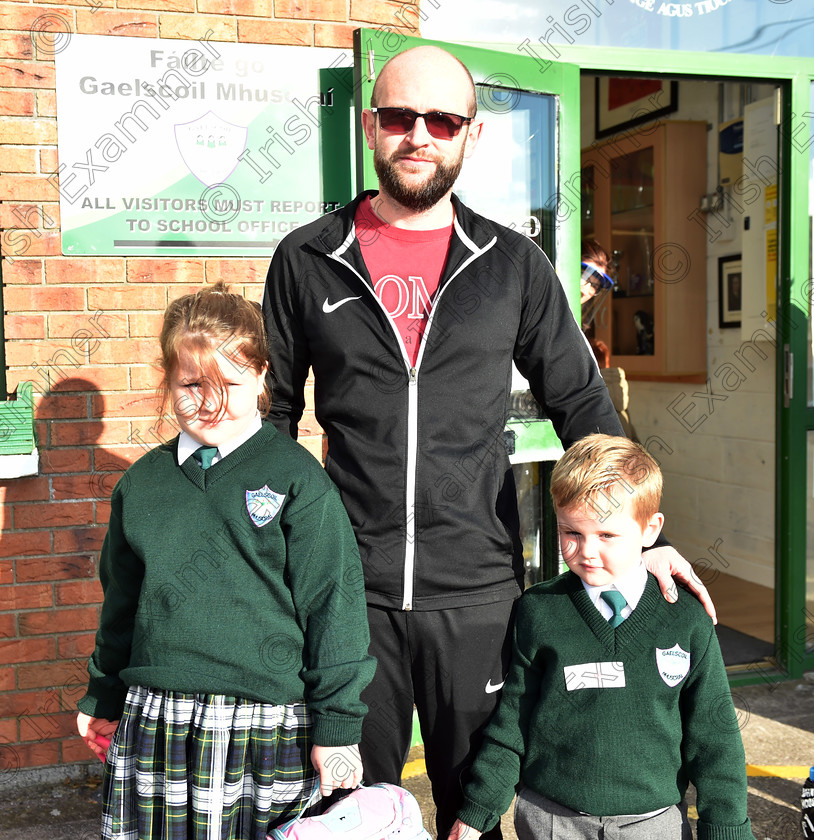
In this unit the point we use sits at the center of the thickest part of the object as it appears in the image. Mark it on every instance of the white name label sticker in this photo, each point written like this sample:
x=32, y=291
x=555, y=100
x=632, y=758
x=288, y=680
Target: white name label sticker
x=595, y=675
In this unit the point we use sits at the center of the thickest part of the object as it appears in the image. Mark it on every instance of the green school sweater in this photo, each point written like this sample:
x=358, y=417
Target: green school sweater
x=242, y=580
x=613, y=721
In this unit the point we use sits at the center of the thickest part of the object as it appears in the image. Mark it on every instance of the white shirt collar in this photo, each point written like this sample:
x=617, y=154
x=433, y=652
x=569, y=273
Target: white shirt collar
x=631, y=586
x=187, y=444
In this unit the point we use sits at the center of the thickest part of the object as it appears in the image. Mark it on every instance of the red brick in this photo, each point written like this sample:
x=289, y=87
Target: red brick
x=397, y=14
x=47, y=727
x=18, y=159
x=16, y=45
x=125, y=405
x=75, y=749
x=102, y=22
x=17, y=103
x=33, y=489
x=22, y=216
x=47, y=674
x=28, y=131
x=8, y=732
x=81, y=327
x=54, y=568
x=14, y=187
x=28, y=650
x=275, y=32
x=25, y=544
x=21, y=242
x=24, y=17
x=21, y=272
x=76, y=645
x=165, y=271
x=26, y=597
x=24, y=326
x=38, y=753
x=143, y=378
x=47, y=107
x=321, y=10
x=53, y=514
x=6, y=572
x=91, y=377
x=61, y=407
x=236, y=271
x=334, y=35
x=250, y=8
x=137, y=297
x=64, y=460
x=158, y=5
x=49, y=162
x=8, y=629
x=102, y=513
x=78, y=433
x=58, y=621
x=78, y=592
x=79, y=540
x=7, y=677
x=196, y=26
x=86, y=270
x=20, y=703
x=146, y=325
x=42, y=298
x=26, y=74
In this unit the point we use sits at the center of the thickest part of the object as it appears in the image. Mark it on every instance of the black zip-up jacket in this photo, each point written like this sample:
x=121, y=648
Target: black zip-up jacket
x=418, y=451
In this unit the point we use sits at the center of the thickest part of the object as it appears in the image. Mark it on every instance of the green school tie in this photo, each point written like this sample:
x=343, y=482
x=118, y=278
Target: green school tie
x=616, y=601
x=204, y=455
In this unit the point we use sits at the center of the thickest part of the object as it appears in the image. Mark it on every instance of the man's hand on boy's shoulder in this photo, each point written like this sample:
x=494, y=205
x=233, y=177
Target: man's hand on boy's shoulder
x=461, y=831
x=668, y=566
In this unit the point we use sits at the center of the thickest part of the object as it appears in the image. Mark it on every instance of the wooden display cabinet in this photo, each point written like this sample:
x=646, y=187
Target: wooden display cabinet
x=639, y=195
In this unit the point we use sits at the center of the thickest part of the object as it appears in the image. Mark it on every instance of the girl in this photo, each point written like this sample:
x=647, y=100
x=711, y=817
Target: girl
x=233, y=633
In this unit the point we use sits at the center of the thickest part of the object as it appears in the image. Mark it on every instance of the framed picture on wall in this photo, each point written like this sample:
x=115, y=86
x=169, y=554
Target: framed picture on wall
x=730, y=291
x=622, y=103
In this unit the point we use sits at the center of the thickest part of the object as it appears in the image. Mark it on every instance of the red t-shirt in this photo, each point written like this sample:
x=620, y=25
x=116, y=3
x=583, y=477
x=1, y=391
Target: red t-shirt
x=405, y=267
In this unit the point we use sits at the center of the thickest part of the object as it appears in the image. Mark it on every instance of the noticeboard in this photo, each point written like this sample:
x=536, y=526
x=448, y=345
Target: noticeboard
x=198, y=147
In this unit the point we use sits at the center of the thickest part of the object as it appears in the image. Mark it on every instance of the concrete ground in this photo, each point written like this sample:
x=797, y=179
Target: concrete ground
x=776, y=719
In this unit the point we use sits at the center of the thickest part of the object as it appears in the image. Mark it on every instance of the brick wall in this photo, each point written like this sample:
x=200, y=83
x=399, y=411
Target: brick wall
x=84, y=331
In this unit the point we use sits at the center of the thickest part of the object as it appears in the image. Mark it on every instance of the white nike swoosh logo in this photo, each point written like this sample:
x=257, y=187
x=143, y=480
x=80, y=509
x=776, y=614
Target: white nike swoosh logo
x=491, y=689
x=330, y=307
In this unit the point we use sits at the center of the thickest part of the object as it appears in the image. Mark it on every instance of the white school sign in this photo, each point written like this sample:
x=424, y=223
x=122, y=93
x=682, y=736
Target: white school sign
x=198, y=147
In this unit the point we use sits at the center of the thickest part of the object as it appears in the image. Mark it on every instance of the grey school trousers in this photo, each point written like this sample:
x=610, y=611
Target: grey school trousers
x=538, y=818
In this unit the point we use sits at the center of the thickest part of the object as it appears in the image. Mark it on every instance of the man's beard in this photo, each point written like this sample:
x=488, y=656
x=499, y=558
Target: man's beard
x=423, y=196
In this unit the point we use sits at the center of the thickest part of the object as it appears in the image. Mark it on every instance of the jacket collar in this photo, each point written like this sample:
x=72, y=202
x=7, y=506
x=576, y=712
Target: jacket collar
x=472, y=235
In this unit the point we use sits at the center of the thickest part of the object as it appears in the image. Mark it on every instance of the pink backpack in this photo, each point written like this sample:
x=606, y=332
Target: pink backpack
x=378, y=812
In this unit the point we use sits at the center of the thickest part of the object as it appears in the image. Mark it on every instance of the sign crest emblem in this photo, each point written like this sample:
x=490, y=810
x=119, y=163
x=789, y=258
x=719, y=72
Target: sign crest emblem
x=263, y=505
x=673, y=664
x=210, y=147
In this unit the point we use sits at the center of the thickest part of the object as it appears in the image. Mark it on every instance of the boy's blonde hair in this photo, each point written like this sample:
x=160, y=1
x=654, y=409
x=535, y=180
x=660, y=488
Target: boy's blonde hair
x=601, y=471
x=210, y=322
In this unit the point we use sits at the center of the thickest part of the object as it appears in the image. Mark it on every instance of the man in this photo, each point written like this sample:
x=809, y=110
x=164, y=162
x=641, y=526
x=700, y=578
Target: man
x=411, y=308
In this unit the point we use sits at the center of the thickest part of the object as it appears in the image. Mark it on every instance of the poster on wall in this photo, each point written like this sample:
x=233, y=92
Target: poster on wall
x=198, y=147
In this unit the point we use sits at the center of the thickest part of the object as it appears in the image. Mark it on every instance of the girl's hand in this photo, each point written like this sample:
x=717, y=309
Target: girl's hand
x=96, y=733
x=462, y=831
x=338, y=767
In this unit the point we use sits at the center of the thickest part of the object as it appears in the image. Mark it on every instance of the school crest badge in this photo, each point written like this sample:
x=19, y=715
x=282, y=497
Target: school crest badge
x=210, y=147
x=673, y=664
x=263, y=505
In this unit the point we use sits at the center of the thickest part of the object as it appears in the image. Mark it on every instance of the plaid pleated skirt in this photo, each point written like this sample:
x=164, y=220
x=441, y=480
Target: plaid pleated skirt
x=205, y=767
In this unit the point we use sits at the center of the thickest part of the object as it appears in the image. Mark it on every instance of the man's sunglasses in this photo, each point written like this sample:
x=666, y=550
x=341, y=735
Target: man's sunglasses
x=440, y=124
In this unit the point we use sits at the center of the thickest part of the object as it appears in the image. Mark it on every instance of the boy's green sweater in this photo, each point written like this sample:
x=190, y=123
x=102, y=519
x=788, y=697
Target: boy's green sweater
x=613, y=721
x=243, y=580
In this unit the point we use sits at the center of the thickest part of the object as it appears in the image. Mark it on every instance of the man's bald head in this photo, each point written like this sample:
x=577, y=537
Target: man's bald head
x=429, y=63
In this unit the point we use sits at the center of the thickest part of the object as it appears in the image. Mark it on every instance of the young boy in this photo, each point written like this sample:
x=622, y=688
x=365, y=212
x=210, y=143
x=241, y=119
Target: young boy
x=613, y=702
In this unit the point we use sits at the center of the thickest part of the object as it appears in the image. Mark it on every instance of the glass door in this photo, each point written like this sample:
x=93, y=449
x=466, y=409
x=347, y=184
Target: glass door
x=524, y=176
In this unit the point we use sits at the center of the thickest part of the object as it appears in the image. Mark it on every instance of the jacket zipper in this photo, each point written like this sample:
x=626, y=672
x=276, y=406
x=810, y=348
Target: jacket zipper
x=412, y=402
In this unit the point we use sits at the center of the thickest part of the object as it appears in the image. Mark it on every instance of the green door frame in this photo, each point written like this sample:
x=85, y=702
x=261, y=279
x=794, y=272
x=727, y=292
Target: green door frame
x=794, y=419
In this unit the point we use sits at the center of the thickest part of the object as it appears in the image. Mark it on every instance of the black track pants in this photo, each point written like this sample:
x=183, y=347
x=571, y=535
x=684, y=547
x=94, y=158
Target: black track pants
x=451, y=664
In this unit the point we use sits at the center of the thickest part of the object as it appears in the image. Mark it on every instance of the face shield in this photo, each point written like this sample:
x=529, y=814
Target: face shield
x=595, y=286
